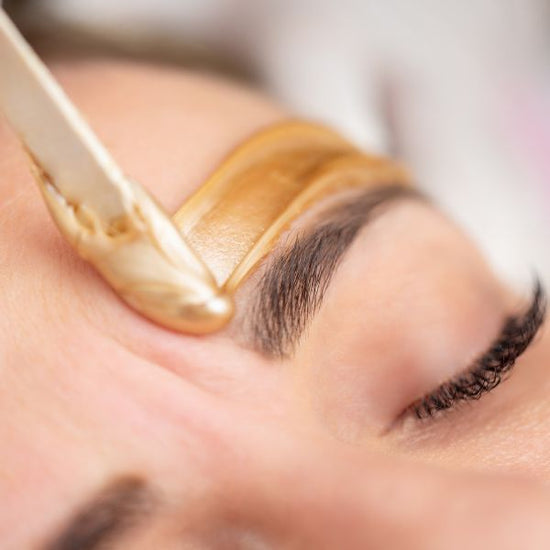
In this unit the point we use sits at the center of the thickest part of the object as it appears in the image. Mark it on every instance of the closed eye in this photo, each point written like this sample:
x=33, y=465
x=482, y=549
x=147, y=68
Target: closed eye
x=490, y=369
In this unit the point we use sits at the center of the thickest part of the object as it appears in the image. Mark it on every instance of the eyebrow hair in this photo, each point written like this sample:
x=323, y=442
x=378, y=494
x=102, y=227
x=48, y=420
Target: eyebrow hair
x=294, y=283
x=119, y=506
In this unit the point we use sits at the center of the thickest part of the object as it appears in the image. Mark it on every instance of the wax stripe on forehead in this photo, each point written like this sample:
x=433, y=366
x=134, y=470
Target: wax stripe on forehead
x=233, y=220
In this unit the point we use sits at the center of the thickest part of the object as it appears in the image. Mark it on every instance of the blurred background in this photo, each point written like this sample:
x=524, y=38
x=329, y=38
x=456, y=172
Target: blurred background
x=459, y=91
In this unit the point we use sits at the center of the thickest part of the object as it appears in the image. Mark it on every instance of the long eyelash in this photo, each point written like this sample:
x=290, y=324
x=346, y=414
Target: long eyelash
x=489, y=370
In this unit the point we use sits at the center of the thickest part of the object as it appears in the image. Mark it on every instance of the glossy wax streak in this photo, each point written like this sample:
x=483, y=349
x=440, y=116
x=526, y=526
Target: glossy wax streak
x=233, y=220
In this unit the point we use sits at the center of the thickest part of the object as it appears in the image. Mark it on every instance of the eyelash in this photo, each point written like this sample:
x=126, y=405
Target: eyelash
x=489, y=370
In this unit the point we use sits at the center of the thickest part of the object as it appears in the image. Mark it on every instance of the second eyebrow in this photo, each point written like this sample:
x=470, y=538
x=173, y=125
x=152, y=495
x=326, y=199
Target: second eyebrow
x=123, y=504
x=292, y=288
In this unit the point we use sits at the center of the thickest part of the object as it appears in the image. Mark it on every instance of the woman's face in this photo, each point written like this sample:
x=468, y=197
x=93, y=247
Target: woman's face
x=113, y=427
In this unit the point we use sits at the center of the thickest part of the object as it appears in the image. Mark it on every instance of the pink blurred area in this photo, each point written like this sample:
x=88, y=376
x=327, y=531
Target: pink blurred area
x=529, y=129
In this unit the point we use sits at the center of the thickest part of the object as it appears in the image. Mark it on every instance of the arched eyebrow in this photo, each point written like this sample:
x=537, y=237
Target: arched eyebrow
x=123, y=504
x=291, y=289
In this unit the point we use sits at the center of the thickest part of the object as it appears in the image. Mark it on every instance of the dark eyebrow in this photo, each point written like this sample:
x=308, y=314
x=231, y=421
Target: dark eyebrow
x=291, y=289
x=119, y=506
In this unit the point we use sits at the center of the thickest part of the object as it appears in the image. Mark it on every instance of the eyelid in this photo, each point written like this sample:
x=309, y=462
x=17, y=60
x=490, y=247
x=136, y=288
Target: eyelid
x=490, y=369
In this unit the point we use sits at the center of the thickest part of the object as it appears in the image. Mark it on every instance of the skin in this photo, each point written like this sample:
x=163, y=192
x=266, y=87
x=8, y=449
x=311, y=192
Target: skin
x=243, y=450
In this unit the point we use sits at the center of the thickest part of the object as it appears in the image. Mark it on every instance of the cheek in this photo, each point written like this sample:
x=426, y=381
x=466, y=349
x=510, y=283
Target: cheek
x=406, y=311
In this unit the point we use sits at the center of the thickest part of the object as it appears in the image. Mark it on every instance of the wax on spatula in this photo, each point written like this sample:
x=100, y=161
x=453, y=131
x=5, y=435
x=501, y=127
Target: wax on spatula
x=111, y=221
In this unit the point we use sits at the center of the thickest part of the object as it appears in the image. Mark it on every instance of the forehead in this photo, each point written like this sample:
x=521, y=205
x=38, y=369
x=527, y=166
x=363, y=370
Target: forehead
x=167, y=128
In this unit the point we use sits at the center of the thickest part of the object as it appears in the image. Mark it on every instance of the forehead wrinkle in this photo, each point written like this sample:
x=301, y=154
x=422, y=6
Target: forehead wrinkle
x=292, y=287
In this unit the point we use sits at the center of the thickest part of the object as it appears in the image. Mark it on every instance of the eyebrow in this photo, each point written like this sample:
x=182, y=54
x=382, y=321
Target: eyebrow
x=118, y=507
x=292, y=288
